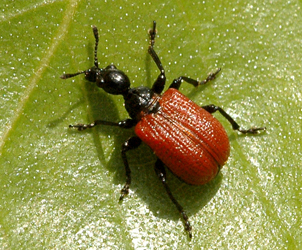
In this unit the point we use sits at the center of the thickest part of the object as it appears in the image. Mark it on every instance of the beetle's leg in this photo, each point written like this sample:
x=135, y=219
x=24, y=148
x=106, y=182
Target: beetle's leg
x=159, y=84
x=161, y=173
x=212, y=109
x=177, y=82
x=128, y=123
x=131, y=143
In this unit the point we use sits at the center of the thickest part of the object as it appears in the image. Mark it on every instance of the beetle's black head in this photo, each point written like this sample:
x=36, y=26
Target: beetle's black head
x=112, y=80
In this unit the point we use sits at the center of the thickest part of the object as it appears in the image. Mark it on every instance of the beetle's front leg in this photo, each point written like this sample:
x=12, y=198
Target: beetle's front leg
x=160, y=82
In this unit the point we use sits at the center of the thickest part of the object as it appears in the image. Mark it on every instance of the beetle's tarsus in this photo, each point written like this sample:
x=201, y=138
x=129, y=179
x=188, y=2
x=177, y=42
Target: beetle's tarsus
x=81, y=126
x=210, y=77
x=124, y=192
x=188, y=226
x=251, y=130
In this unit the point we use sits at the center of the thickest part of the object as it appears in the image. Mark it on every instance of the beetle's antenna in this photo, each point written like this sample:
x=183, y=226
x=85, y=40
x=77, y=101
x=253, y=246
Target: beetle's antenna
x=96, y=64
x=96, y=36
x=152, y=33
x=65, y=76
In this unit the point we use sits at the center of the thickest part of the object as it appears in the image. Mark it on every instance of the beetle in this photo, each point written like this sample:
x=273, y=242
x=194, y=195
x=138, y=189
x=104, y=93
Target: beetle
x=185, y=137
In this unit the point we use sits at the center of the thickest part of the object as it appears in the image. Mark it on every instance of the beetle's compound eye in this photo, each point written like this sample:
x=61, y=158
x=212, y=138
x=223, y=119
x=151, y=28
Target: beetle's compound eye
x=111, y=66
x=90, y=74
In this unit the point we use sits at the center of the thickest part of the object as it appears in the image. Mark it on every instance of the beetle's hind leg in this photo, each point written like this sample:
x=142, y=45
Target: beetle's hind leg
x=161, y=173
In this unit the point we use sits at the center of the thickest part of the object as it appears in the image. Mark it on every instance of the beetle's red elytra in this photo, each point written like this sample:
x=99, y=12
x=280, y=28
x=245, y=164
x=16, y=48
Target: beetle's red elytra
x=186, y=138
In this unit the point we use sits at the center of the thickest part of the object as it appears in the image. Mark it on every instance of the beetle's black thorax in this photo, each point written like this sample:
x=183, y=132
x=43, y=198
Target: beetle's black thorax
x=140, y=102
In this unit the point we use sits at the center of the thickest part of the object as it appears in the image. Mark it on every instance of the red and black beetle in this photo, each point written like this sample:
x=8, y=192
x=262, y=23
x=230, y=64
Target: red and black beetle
x=185, y=137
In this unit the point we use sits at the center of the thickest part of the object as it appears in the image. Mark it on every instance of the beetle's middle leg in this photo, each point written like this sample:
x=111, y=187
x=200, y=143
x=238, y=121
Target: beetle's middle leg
x=177, y=82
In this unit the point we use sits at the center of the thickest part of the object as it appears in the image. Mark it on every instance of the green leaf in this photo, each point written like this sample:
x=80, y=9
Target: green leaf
x=60, y=188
